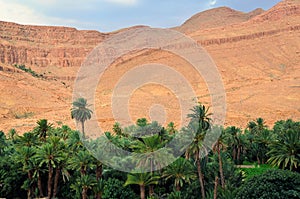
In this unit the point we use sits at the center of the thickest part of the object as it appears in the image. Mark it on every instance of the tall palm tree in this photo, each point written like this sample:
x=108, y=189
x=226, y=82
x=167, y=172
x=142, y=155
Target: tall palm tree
x=219, y=145
x=200, y=123
x=235, y=141
x=144, y=151
x=194, y=150
x=80, y=112
x=24, y=156
x=201, y=115
x=81, y=161
x=48, y=155
x=143, y=180
x=182, y=171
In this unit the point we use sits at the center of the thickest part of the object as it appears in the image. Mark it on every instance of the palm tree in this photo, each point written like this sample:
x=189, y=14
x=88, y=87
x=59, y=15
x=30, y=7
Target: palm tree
x=24, y=156
x=43, y=128
x=194, y=150
x=143, y=180
x=201, y=115
x=235, y=141
x=99, y=188
x=82, y=161
x=83, y=183
x=256, y=127
x=285, y=151
x=182, y=171
x=80, y=112
x=48, y=155
x=11, y=134
x=27, y=139
x=144, y=151
x=61, y=162
x=219, y=145
x=200, y=123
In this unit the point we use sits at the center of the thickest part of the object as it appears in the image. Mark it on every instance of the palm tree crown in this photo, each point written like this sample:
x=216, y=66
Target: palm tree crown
x=80, y=112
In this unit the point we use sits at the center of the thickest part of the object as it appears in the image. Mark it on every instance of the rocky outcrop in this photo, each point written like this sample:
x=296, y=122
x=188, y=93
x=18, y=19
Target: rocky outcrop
x=256, y=35
x=44, y=46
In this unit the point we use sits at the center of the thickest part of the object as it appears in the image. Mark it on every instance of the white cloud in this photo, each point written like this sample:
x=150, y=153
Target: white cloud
x=212, y=2
x=19, y=13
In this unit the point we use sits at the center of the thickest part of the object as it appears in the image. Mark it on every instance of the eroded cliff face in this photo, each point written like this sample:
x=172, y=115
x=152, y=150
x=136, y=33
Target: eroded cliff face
x=45, y=47
x=256, y=53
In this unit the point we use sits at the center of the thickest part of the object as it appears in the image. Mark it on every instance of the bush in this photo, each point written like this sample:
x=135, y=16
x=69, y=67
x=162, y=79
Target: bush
x=259, y=169
x=114, y=189
x=271, y=184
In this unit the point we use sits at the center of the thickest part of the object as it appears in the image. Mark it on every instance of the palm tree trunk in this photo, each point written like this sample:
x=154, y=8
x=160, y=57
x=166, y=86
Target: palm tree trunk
x=216, y=187
x=234, y=154
x=82, y=128
x=29, y=191
x=142, y=190
x=177, y=187
x=99, y=172
x=98, y=177
x=40, y=185
x=200, y=176
x=238, y=155
x=56, y=179
x=50, y=174
x=82, y=171
x=98, y=196
x=221, y=168
x=84, y=193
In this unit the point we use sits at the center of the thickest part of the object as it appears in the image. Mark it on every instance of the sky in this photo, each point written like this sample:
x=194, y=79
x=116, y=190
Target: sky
x=111, y=15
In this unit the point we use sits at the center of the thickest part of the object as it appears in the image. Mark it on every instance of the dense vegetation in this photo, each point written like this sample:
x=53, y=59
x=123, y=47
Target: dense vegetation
x=51, y=161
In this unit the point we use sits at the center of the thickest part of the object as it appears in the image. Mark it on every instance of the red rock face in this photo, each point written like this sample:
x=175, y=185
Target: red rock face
x=257, y=54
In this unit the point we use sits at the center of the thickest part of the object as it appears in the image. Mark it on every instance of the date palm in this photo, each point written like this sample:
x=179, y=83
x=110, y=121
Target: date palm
x=143, y=180
x=81, y=161
x=24, y=156
x=285, y=151
x=43, y=127
x=182, y=171
x=80, y=112
x=200, y=123
x=49, y=156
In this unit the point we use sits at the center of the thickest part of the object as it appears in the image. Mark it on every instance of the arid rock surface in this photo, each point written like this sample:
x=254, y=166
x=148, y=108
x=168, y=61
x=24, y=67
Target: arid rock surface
x=257, y=55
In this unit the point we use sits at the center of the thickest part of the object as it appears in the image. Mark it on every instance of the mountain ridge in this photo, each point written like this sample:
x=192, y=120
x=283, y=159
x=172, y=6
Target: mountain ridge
x=266, y=45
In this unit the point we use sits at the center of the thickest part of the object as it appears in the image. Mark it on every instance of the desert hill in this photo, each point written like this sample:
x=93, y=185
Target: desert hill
x=257, y=54
x=216, y=17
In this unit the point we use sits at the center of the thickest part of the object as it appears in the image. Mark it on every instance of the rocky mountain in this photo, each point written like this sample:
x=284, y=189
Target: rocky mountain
x=257, y=54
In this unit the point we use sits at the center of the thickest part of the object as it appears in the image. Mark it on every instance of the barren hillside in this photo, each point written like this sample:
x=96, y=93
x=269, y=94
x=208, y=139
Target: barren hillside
x=257, y=54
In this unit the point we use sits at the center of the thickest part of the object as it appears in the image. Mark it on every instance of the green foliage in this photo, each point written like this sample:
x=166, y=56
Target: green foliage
x=24, y=115
x=257, y=170
x=271, y=184
x=28, y=70
x=285, y=150
x=175, y=195
x=31, y=157
x=114, y=189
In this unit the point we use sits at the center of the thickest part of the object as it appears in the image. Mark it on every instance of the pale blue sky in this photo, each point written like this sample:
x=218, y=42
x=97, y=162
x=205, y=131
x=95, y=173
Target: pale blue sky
x=110, y=15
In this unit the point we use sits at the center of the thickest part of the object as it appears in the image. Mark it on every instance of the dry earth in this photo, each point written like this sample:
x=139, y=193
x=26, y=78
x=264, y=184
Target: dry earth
x=257, y=54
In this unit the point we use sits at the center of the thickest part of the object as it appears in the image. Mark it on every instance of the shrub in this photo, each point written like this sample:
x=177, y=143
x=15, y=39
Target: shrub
x=114, y=189
x=273, y=184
